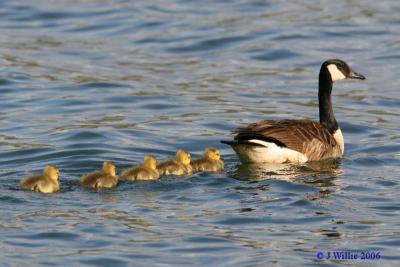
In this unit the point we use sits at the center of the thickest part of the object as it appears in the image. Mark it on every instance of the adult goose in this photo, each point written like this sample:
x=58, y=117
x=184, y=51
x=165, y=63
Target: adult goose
x=297, y=141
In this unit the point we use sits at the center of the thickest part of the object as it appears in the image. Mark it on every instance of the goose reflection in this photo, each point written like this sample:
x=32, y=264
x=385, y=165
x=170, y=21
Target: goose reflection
x=319, y=174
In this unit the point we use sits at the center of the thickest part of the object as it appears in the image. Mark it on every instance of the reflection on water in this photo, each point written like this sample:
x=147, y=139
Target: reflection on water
x=86, y=81
x=321, y=175
x=289, y=172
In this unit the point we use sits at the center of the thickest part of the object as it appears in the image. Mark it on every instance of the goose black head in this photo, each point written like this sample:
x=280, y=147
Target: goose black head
x=339, y=70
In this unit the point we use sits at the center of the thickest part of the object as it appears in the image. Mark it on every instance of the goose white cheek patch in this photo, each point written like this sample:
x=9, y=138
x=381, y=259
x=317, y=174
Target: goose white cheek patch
x=336, y=74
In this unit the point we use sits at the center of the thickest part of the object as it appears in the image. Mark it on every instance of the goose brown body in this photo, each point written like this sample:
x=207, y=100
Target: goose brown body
x=309, y=138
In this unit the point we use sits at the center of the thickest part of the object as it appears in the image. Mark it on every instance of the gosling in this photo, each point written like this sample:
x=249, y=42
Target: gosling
x=146, y=171
x=210, y=162
x=178, y=166
x=45, y=183
x=107, y=178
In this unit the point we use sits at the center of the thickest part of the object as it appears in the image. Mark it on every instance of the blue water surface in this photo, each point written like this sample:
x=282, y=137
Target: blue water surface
x=86, y=81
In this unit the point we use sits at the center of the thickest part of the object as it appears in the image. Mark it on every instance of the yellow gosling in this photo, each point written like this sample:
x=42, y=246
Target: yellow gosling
x=210, y=162
x=45, y=183
x=178, y=166
x=146, y=171
x=107, y=178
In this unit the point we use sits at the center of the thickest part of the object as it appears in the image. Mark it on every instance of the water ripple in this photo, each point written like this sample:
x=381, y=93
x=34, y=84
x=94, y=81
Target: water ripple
x=209, y=44
x=87, y=81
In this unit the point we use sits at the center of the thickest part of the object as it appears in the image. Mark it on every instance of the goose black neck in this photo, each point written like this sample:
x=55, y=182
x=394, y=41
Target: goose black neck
x=326, y=116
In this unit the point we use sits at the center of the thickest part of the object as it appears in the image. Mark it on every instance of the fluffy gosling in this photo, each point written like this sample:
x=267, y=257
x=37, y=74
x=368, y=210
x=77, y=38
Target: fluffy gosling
x=45, y=183
x=178, y=166
x=210, y=162
x=146, y=171
x=107, y=178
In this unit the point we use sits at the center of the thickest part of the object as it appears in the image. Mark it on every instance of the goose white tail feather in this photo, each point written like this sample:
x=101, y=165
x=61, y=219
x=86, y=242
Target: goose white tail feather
x=267, y=152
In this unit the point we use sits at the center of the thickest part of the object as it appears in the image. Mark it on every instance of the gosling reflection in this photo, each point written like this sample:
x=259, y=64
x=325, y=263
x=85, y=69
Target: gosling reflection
x=122, y=217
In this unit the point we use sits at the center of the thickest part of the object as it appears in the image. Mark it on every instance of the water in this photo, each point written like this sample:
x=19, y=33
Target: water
x=87, y=81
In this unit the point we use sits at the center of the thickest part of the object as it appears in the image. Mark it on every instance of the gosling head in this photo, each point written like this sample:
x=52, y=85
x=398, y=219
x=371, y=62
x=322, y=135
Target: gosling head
x=212, y=153
x=183, y=157
x=339, y=70
x=150, y=162
x=109, y=168
x=52, y=172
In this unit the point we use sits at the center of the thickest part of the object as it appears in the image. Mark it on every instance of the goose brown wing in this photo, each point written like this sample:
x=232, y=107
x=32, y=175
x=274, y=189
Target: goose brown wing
x=307, y=137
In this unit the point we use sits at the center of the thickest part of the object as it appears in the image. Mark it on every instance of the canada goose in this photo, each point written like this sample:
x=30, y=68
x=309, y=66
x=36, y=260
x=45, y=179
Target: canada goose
x=178, y=166
x=105, y=179
x=146, y=171
x=210, y=162
x=297, y=141
x=45, y=183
